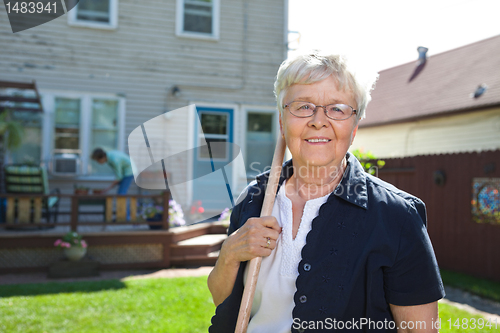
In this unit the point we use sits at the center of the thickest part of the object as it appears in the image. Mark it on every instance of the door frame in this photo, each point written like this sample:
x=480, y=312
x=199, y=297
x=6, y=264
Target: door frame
x=192, y=132
x=261, y=109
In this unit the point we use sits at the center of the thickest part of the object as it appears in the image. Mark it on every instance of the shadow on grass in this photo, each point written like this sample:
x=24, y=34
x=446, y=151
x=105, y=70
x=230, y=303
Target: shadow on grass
x=478, y=286
x=31, y=289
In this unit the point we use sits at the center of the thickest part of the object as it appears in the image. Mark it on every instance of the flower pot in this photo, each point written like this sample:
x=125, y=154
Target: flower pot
x=81, y=191
x=156, y=218
x=75, y=253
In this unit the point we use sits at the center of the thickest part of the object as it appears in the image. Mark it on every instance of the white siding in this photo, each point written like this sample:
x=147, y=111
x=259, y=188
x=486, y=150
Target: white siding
x=468, y=132
x=143, y=59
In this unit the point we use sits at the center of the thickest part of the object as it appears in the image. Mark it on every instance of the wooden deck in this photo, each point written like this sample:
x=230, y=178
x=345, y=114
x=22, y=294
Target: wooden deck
x=29, y=251
x=28, y=246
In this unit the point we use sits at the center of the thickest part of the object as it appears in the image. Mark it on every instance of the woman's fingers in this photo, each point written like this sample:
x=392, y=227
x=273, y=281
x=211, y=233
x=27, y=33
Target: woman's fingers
x=265, y=226
x=269, y=222
x=256, y=238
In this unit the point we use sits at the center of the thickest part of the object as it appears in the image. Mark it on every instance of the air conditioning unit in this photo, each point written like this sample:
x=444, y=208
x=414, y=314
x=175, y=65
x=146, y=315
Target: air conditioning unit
x=65, y=164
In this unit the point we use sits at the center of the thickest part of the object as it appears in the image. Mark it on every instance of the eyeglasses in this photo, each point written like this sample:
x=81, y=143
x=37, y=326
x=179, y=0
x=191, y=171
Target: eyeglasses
x=332, y=111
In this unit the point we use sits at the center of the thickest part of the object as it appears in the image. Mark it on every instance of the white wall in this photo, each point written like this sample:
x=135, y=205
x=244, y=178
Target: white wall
x=467, y=132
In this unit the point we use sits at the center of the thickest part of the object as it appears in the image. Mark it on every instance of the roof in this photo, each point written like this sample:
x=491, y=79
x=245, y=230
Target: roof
x=445, y=85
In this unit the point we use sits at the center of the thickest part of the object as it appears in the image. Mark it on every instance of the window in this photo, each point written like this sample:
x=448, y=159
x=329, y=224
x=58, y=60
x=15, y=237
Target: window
x=101, y=14
x=104, y=132
x=260, y=142
x=78, y=125
x=67, y=125
x=214, y=128
x=198, y=18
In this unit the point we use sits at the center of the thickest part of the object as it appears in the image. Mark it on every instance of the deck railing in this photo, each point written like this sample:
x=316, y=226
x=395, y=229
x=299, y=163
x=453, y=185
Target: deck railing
x=31, y=210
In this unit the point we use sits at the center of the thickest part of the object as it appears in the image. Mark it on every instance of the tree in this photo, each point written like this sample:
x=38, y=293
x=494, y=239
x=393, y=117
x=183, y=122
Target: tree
x=11, y=137
x=11, y=132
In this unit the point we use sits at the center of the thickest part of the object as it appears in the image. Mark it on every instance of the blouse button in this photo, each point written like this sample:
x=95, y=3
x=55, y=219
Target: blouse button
x=303, y=299
x=307, y=267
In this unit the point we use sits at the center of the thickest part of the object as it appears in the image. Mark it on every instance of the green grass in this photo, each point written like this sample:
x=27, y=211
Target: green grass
x=467, y=322
x=158, y=305
x=147, y=305
x=484, y=288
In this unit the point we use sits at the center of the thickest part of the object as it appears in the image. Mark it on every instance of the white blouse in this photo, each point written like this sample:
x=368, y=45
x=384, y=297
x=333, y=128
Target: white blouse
x=273, y=301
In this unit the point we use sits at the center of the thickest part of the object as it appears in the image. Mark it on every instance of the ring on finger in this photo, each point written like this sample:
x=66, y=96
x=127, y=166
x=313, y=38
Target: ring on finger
x=268, y=242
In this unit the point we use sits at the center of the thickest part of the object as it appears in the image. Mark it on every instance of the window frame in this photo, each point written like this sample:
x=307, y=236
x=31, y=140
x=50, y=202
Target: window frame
x=113, y=18
x=48, y=128
x=257, y=109
x=179, y=23
x=206, y=136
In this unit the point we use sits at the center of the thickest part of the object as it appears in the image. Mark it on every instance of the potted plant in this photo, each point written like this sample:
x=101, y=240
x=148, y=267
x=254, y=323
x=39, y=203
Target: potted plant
x=81, y=189
x=224, y=217
x=154, y=213
x=74, y=247
x=98, y=190
x=196, y=211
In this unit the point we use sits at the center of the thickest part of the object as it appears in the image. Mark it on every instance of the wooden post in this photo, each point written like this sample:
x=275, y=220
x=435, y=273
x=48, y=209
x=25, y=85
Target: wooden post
x=11, y=205
x=121, y=209
x=23, y=210
x=37, y=216
x=166, y=199
x=109, y=209
x=133, y=209
x=74, y=213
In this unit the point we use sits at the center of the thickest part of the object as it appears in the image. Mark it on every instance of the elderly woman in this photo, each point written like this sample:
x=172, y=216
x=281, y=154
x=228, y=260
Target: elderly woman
x=342, y=249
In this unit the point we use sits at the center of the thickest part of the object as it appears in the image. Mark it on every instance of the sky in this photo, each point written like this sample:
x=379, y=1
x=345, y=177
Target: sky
x=385, y=33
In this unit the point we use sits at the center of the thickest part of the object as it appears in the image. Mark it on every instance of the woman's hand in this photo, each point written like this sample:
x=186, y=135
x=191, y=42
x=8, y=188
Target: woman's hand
x=256, y=238
x=251, y=240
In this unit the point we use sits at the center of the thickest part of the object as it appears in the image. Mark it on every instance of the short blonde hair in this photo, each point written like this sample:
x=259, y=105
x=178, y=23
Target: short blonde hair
x=316, y=66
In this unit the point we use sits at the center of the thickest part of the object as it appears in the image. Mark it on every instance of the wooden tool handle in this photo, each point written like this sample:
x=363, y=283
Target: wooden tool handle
x=267, y=209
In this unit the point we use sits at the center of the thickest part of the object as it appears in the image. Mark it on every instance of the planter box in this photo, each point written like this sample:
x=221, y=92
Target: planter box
x=72, y=269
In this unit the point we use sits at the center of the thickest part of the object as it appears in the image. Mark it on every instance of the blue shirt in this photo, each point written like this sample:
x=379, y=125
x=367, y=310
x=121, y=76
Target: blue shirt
x=368, y=248
x=120, y=163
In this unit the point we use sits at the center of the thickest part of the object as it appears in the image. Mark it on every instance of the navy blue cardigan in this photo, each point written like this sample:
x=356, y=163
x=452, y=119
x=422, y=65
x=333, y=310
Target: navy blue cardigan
x=368, y=247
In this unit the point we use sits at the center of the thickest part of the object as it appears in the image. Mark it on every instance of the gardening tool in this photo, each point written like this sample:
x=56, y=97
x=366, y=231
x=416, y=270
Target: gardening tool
x=267, y=209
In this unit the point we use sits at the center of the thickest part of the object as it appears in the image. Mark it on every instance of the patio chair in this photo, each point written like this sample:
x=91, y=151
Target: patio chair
x=28, y=179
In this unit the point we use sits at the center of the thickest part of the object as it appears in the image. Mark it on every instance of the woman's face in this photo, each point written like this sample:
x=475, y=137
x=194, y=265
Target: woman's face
x=336, y=135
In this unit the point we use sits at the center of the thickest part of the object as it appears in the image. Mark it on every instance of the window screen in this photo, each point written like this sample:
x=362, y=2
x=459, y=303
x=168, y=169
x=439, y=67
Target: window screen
x=94, y=11
x=104, y=130
x=198, y=16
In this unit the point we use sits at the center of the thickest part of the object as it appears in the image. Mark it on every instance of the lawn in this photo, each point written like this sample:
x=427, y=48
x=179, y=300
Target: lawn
x=147, y=305
x=484, y=288
x=454, y=320
x=175, y=305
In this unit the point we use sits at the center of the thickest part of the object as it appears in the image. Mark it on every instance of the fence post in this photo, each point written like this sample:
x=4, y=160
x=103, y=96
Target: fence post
x=74, y=213
x=166, y=199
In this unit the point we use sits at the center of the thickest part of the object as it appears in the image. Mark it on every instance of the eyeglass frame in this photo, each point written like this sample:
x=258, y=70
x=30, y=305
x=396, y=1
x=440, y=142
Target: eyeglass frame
x=320, y=106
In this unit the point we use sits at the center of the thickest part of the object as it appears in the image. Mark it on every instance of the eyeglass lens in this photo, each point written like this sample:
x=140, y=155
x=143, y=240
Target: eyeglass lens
x=334, y=111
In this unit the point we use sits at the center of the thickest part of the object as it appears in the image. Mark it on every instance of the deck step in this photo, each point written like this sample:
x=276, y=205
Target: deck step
x=203, y=240
x=202, y=260
x=197, y=247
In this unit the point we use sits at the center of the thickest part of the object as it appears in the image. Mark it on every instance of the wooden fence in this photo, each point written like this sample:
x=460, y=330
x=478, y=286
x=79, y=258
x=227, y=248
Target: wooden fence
x=445, y=184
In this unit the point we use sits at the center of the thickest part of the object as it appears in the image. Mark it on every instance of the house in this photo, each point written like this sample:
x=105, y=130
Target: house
x=451, y=106
x=436, y=123
x=109, y=66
